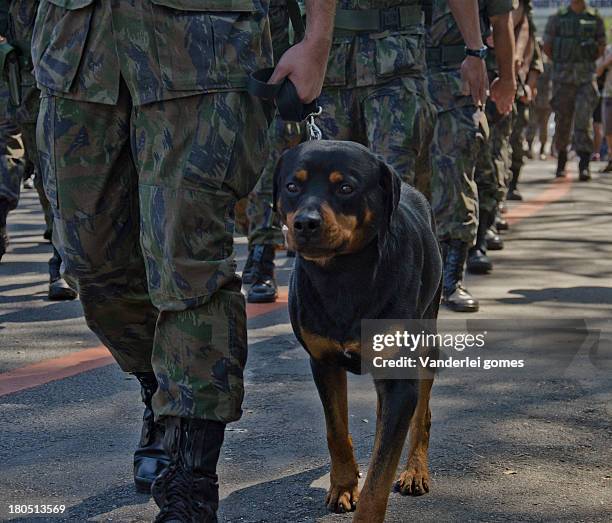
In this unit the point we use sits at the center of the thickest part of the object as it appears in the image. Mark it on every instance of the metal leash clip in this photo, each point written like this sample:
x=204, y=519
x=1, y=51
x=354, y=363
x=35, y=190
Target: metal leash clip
x=314, y=133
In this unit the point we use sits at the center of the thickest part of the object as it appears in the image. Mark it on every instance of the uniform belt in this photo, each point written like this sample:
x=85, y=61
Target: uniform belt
x=377, y=20
x=445, y=55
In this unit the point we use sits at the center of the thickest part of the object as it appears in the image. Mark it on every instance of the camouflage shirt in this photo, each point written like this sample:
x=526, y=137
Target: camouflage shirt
x=366, y=59
x=444, y=29
x=574, y=38
x=162, y=49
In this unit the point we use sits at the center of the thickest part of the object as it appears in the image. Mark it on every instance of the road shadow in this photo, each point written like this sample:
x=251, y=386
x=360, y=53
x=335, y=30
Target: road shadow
x=291, y=498
x=580, y=294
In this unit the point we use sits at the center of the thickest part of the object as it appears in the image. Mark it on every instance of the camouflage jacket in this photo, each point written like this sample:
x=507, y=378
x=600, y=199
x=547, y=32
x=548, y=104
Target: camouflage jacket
x=444, y=80
x=366, y=59
x=575, y=39
x=163, y=49
x=445, y=31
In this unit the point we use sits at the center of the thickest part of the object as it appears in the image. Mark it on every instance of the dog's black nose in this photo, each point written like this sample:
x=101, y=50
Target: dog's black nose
x=307, y=223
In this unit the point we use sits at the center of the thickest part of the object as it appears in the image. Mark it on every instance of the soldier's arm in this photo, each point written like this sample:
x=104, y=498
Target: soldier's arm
x=523, y=49
x=503, y=89
x=473, y=69
x=305, y=63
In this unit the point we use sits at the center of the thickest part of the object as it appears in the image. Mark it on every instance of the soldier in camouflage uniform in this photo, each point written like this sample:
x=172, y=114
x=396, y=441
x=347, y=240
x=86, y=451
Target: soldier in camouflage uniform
x=147, y=137
x=11, y=171
x=574, y=39
x=21, y=15
x=491, y=173
x=527, y=76
x=375, y=90
x=11, y=166
x=540, y=110
x=457, y=141
x=264, y=225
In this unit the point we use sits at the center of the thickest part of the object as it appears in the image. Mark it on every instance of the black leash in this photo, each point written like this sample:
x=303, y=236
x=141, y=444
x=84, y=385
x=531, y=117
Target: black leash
x=285, y=96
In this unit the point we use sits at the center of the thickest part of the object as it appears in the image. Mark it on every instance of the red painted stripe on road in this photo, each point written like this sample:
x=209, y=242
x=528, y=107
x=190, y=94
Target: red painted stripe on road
x=77, y=362
x=53, y=369
x=559, y=189
x=80, y=361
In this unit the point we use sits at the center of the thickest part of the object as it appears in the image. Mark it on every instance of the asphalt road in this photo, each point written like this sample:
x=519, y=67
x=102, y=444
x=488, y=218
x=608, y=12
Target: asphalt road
x=503, y=448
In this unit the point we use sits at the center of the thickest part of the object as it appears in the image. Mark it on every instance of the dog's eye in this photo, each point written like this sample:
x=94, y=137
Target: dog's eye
x=292, y=187
x=345, y=188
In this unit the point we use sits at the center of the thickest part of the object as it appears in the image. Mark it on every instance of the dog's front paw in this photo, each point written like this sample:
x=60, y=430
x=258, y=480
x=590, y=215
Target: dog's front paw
x=341, y=499
x=414, y=481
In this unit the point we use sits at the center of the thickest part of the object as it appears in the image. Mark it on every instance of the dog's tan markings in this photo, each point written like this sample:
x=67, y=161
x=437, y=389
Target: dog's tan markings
x=320, y=346
x=414, y=480
x=301, y=175
x=343, y=492
x=336, y=177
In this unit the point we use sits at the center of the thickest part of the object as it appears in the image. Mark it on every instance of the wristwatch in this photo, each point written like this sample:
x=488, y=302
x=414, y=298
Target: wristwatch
x=478, y=53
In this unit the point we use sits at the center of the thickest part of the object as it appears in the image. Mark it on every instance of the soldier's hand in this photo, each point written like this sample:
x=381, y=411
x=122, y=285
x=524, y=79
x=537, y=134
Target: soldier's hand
x=305, y=64
x=502, y=93
x=475, y=79
x=528, y=96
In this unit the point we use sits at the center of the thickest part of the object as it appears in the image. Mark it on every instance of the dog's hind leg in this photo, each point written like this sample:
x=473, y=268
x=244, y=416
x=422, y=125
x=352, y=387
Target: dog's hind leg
x=414, y=480
x=396, y=403
x=331, y=383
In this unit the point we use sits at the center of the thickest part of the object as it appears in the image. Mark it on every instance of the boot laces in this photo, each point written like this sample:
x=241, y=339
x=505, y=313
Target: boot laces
x=177, y=496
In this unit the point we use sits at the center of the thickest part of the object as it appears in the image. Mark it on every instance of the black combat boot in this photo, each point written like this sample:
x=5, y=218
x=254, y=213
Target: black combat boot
x=4, y=239
x=584, y=172
x=561, y=161
x=58, y=288
x=264, y=288
x=500, y=222
x=150, y=458
x=188, y=491
x=513, y=192
x=608, y=167
x=454, y=295
x=478, y=262
x=494, y=240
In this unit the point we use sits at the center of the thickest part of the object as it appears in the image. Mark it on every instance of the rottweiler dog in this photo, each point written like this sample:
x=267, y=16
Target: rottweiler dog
x=366, y=248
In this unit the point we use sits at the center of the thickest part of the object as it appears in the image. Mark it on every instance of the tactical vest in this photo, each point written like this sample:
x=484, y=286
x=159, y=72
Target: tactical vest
x=575, y=40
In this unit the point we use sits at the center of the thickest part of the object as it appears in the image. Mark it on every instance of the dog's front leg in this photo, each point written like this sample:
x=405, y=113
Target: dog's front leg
x=396, y=403
x=414, y=480
x=331, y=383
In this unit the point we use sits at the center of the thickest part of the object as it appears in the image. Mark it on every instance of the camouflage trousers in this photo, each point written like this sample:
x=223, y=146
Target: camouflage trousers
x=519, y=123
x=494, y=159
x=454, y=150
x=574, y=104
x=538, y=124
x=28, y=135
x=395, y=120
x=264, y=224
x=143, y=200
x=11, y=164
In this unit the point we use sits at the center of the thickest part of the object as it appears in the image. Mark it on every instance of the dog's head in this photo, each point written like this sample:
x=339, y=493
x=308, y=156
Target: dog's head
x=335, y=198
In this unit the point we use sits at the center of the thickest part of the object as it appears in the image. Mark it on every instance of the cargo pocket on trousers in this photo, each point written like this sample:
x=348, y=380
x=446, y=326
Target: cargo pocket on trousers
x=337, y=63
x=207, y=45
x=58, y=41
x=399, y=54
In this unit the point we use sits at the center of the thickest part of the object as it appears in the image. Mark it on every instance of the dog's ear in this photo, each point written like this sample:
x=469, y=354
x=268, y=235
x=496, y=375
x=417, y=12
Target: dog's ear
x=392, y=186
x=276, y=182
